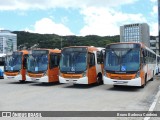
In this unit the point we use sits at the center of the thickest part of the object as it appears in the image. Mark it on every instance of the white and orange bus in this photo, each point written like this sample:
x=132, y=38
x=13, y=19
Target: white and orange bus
x=129, y=64
x=43, y=65
x=15, y=66
x=81, y=65
x=2, y=59
x=157, y=64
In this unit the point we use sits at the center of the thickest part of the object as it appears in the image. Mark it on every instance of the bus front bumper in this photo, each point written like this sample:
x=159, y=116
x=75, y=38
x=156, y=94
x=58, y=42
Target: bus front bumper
x=17, y=77
x=44, y=79
x=83, y=80
x=132, y=82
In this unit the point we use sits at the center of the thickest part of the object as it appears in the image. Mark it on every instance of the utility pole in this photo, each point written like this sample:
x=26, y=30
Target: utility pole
x=61, y=43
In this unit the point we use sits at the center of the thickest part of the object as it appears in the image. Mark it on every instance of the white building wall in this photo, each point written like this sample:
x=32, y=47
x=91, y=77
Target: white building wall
x=8, y=41
x=138, y=32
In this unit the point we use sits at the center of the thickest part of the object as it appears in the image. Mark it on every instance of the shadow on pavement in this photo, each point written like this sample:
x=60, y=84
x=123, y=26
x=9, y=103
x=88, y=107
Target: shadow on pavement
x=46, y=84
x=81, y=86
x=18, y=82
x=125, y=88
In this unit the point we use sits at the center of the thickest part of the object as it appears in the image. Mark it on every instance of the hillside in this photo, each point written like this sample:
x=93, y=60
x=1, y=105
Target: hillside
x=30, y=40
x=34, y=40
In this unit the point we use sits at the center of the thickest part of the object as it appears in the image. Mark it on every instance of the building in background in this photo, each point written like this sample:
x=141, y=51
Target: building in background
x=154, y=45
x=159, y=22
x=8, y=41
x=138, y=32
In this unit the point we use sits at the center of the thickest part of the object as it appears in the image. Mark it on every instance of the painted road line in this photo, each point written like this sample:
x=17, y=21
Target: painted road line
x=154, y=103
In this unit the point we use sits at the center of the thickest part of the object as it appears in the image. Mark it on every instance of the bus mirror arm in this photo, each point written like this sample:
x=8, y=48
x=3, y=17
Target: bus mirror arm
x=144, y=53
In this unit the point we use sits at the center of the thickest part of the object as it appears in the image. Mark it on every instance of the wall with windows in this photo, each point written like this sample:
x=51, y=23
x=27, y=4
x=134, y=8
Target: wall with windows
x=138, y=32
x=154, y=45
x=8, y=42
x=159, y=21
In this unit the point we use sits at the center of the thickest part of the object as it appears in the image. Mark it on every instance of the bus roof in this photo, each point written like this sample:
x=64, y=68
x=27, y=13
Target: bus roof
x=23, y=51
x=2, y=55
x=50, y=50
x=90, y=48
x=142, y=45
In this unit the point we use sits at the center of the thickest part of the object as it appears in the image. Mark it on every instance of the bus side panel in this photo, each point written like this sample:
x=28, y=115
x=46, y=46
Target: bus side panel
x=53, y=74
x=143, y=72
x=150, y=71
x=92, y=76
x=23, y=73
x=142, y=75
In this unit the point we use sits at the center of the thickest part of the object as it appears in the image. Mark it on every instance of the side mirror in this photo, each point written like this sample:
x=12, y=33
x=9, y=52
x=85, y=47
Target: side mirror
x=25, y=61
x=144, y=53
x=91, y=60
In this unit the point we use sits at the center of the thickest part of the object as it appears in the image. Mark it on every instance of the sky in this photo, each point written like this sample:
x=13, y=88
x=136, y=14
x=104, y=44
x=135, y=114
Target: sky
x=77, y=17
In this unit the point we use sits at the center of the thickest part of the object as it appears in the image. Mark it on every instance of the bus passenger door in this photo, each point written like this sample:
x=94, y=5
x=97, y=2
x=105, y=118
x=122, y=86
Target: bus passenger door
x=91, y=68
x=53, y=68
x=24, y=66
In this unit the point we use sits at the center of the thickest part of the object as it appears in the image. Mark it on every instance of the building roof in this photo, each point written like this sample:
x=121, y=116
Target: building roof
x=6, y=33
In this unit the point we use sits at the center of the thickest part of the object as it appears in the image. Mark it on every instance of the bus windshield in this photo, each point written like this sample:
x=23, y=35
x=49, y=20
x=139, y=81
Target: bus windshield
x=2, y=59
x=13, y=62
x=73, y=60
x=122, y=60
x=37, y=63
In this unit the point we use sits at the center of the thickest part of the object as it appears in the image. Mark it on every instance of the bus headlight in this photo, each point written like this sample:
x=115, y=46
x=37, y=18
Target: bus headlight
x=137, y=74
x=84, y=74
x=60, y=74
x=105, y=73
x=45, y=73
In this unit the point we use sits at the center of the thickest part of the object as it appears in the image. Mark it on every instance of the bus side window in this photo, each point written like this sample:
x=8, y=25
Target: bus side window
x=54, y=60
x=25, y=61
x=100, y=55
x=99, y=60
x=2, y=59
x=144, y=56
x=91, y=59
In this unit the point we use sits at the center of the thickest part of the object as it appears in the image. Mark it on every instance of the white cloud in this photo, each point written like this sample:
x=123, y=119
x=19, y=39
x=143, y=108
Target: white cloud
x=45, y=4
x=100, y=16
x=154, y=10
x=47, y=26
x=153, y=0
x=104, y=21
x=1, y=28
x=154, y=29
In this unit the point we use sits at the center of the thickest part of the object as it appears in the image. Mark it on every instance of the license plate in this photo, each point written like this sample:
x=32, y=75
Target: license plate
x=120, y=82
x=33, y=78
x=10, y=77
x=71, y=81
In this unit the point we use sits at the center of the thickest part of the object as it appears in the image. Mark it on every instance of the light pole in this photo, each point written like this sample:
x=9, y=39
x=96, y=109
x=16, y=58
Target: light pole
x=61, y=43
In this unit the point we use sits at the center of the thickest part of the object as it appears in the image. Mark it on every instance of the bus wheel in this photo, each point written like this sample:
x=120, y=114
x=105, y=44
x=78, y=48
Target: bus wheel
x=99, y=79
x=145, y=82
x=152, y=77
x=21, y=81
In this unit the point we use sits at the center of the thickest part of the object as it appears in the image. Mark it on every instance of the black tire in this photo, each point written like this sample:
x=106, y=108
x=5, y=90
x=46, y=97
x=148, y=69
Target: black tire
x=152, y=77
x=99, y=79
x=145, y=82
x=115, y=86
x=21, y=81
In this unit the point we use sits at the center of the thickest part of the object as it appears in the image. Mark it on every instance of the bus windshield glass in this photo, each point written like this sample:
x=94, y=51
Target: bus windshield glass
x=2, y=59
x=37, y=62
x=13, y=62
x=73, y=60
x=122, y=59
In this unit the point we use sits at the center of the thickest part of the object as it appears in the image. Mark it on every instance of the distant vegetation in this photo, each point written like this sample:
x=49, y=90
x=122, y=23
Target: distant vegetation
x=34, y=40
